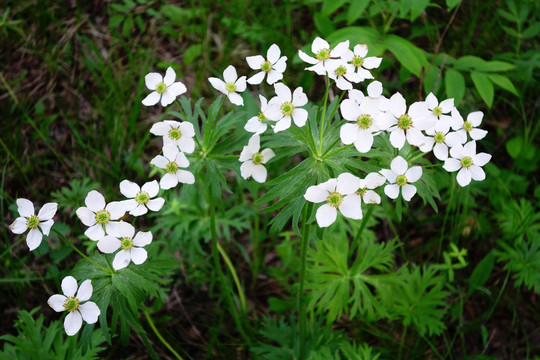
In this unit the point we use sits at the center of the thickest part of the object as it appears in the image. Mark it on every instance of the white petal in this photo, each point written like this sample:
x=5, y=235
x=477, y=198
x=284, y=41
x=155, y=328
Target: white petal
x=475, y=118
x=236, y=99
x=246, y=169
x=454, y=138
x=152, y=80
x=350, y=109
x=257, y=78
x=69, y=286
x=300, y=117
x=142, y=238
x=167, y=98
x=326, y=215
x=129, y=189
x=375, y=89
x=360, y=50
x=371, y=62
x=273, y=53
x=259, y=173
x=374, y=180
x=185, y=177
x=111, y=228
x=108, y=244
x=254, y=126
x=398, y=105
x=306, y=58
x=481, y=159
x=241, y=84
x=45, y=226
x=152, y=99
x=299, y=98
x=408, y=191
x=397, y=138
x=176, y=89
x=440, y=151
x=25, y=207
x=447, y=105
x=138, y=255
x=451, y=165
x=399, y=165
x=351, y=207
x=431, y=101
x=457, y=151
x=415, y=137
x=33, y=239
x=469, y=149
x=273, y=77
x=170, y=151
x=95, y=232
x=170, y=76
x=73, y=323
x=316, y=194
x=464, y=177
x=160, y=161
x=89, y=312
x=478, y=134
x=392, y=191
x=229, y=75
x=138, y=210
x=87, y=216
x=85, y=291
x=347, y=183
x=152, y=188
x=413, y=174
x=280, y=65
x=340, y=48
x=348, y=133
x=57, y=302
x=156, y=204
x=267, y=154
x=47, y=211
x=477, y=173
x=283, y=124
x=181, y=160
x=19, y=225
x=116, y=209
x=94, y=201
x=343, y=84
x=283, y=92
x=371, y=197
x=218, y=84
x=364, y=141
x=255, y=62
x=319, y=44
x=121, y=259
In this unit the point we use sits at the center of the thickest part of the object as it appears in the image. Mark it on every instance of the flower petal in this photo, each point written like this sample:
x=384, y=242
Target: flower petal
x=142, y=238
x=255, y=62
x=151, y=187
x=87, y=216
x=451, y=165
x=351, y=207
x=316, y=194
x=397, y=138
x=273, y=77
x=73, y=323
x=246, y=169
x=464, y=177
x=414, y=174
x=348, y=133
x=170, y=76
x=89, y=312
x=371, y=62
x=69, y=286
x=156, y=204
x=218, y=84
x=129, y=189
x=475, y=118
x=152, y=80
x=300, y=117
x=408, y=191
x=229, y=74
x=392, y=191
x=347, y=183
x=95, y=232
x=374, y=180
x=371, y=197
x=138, y=210
x=19, y=225
x=108, y=244
x=45, y=226
x=306, y=58
x=25, y=207
x=241, y=84
x=185, y=177
x=33, y=239
x=299, y=98
x=138, y=255
x=95, y=201
x=167, y=98
x=121, y=259
x=399, y=165
x=116, y=209
x=257, y=78
x=477, y=173
x=326, y=215
x=481, y=159
x=160, y=161
x=236, y=99
x=267, y=154
x=57, y=302
x=85, y=290
x=273, y=53
x=177, y=89
x=259, y=173
x=152, y=99
x=47, y=211
x=364, y=141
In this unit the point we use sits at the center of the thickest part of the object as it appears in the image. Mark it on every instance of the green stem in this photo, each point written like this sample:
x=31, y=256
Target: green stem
x=215, y=119
x=402, y=342
x=217, y=265
x=186, y=119
x=303, y=255
x=159, y=336
x=80, y=252
x=362, y=227
x=321, y=130
x=235, y=277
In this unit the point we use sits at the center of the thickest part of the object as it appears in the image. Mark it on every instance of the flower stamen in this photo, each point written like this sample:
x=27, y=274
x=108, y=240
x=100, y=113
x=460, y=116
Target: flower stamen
x=334, y=199
x=126, y=243
x=71, y=304
x=230, y=87
x=171, y=167
x=257, y=158
x=401, y=180
x=103, y=217
x=266, y=66
x=405, y=122
x=175, y=134
x=32, y=222
x=364, y=121
x=142, y=197
x=287, y=108
x=161, y=88
x=466, y=162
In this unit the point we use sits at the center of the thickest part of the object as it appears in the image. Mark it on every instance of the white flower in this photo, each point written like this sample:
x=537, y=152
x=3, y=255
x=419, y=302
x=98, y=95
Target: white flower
x=408, y=124
x=400, y=178
x=438, y=111
x=321, y=50
x=164, y=88
x=171, y=161
x=141, y=199
x=77, y=305
x=175, y=132
x=440, y=139
x=342, y=71
x=366, y=118
x=466, y=159
x=253, y=160
x=257, y=123
x=231, y=86
x=273, y=65
x=362, y=63
x=334, y=192
x=285, y=106
x=29, y=220
x=375, y=98
x=463, y=128
x=132, y=246
x=99, y=216
x=365, y=192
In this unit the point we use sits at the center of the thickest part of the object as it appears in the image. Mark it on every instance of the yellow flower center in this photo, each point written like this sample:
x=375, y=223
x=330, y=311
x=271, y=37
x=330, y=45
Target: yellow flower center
x=32, y=222
x=175, y=134
x=401, y=180
x=266, y=66
x=323, y=54
x=142, y=197
x=334, y=199
x=439, y=137
x=468, y=126
x=466, y=162
x=126, y=243
x=357, y=61
x=364, y=121
x=340, y=71
x=230, y=87
x=404, y=122
x=71, y=304
x=161, y=88
x=257, y=158
x=171, y=167
x=287, y=108
x=437, y=111
x=103, y=217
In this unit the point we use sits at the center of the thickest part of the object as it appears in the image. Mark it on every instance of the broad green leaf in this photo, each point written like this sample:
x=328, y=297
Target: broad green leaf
x=406, y=53
x=503, y=82
x=417, y=7
x=454, y=83
x=514, y=146
x=496, y=66
x=356, y=9
x=192, y=53
x=323, y=24
x=451, y=4
x=481, y=272
x=531, y=31
x=359, y=35
x=469, y=62
x=115, y=20
x=330, y=6
x=484, y=86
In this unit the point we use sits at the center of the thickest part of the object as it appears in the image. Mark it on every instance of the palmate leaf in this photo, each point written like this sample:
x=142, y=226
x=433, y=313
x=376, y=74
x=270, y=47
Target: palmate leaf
x=421, y=300
x=359, y=288
x=524, y=260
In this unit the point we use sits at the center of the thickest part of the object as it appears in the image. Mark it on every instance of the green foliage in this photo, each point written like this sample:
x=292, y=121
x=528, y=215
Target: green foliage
x=524, y=261
x=39, y=342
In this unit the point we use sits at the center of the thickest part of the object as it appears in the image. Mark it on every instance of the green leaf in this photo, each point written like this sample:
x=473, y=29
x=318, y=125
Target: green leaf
x=514, y=146
x=406, y=53
x=359, y=35
x=531, y=31
x=484, y=86
x=115, y=20
x=503, y=82
x=356, y=9
x=417, y=7
x=323, y=24
x=496, y=66
x=481, y=272
x=330, y=6
x=454, y=83
x=469, y=62
x=192, y=53
x=451, y=4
